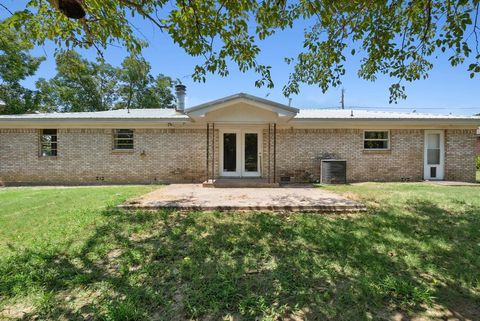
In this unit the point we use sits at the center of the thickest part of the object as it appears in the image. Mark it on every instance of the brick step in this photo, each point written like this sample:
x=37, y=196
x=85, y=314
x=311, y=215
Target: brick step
x=240, y=183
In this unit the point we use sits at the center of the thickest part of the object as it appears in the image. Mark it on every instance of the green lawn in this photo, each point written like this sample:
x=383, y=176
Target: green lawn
x=45, y=217
x=67, y=254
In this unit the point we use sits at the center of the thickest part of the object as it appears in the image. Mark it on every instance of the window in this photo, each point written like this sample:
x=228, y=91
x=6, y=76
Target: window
x=433, y=149
x=48, y=142
x=376, y=139
x=123, y=139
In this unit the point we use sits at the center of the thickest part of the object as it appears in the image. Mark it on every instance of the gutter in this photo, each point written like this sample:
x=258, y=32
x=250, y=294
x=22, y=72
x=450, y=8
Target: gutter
x=88, y=122
x=472, y=121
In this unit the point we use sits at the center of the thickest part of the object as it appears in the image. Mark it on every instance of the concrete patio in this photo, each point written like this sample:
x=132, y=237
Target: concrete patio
x=195, y=197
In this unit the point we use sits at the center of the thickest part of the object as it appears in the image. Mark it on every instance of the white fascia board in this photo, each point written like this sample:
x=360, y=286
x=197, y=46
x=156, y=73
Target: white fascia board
x=91, y=123
x=392, y=123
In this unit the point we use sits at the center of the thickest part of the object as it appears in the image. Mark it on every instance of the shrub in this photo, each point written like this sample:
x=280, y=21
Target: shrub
x=477, y=162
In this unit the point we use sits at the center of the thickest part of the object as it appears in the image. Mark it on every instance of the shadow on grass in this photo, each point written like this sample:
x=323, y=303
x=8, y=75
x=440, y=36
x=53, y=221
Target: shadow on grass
x=173, y=266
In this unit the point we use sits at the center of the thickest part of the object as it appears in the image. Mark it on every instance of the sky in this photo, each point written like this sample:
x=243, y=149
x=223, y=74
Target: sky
x=447, y=90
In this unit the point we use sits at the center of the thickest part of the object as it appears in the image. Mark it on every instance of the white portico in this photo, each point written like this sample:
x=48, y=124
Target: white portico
x=241, y=135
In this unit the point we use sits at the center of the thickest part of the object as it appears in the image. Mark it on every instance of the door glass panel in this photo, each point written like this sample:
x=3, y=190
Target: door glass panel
x=433, y=157
x=251, y=152
x=229, y=152
x=433, y=141
x=433, y=149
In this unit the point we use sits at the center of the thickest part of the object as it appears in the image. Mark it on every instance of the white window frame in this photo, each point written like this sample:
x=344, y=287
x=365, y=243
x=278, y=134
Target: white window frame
x=116, y=138
x=441, y=166
x=43, y=143
x=372, y=139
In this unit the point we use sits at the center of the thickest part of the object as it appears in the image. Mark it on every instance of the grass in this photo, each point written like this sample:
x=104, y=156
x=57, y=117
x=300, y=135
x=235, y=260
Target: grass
x=41, y=217
x=416, y=252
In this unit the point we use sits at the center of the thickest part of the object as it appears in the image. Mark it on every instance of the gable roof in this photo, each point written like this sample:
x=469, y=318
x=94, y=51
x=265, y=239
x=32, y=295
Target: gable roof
x=240, y=96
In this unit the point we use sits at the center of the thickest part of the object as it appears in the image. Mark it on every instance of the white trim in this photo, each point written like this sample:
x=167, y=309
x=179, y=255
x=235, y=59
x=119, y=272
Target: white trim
x=440, y=167
x=207, y=109
x=237, y=172
x=240, y=153
x=24, y=122
x=242, y=97
x=382, y=123
x=259, y=133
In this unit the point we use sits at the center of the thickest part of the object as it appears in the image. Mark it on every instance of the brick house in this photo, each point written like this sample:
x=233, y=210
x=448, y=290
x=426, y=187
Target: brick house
x=236, y=136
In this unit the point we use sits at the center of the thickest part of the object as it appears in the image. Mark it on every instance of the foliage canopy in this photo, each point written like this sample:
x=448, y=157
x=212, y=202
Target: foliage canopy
x=16, y=64
x=83, y=85
x=396, y=38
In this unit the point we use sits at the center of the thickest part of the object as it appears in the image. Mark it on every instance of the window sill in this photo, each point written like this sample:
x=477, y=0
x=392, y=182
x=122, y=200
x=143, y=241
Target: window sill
x=377, y=151
x=123, y=151
x=48, y=157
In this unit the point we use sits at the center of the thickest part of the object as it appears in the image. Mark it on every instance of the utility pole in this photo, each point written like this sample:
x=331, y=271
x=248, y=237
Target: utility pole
x=342, y=100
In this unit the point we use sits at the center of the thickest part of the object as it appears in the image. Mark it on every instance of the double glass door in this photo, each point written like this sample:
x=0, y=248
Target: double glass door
x=240, y=153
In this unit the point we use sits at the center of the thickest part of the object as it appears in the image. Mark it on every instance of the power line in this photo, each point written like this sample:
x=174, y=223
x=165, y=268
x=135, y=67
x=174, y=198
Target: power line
x=407, y=108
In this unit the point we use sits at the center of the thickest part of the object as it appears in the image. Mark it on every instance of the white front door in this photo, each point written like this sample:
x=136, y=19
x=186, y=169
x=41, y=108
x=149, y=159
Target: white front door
x=240, y=153
x=434, y=158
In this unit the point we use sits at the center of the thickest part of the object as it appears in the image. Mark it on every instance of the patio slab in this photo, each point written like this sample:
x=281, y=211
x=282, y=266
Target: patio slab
x=195, y=197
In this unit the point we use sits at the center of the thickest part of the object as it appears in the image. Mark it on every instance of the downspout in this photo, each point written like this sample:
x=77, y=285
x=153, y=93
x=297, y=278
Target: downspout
x=274, y=152
x=269, y=151
x=213, y=151
x=208, y=149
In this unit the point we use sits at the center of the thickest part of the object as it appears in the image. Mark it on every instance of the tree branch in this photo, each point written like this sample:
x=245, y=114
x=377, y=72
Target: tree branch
x=142, y=11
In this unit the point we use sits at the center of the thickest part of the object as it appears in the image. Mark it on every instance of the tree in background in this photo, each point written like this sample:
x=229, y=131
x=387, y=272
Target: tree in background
x=106, y=76
x=82, y=85
x=16, y=64
x=400, y=39
x=139, y=89
x=79, y=85
x=163, y=88
x=135, y=76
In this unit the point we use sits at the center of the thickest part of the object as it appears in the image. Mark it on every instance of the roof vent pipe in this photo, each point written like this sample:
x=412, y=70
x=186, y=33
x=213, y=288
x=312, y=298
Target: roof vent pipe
x=181, y=91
